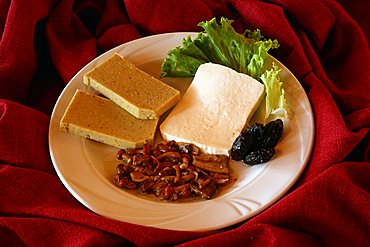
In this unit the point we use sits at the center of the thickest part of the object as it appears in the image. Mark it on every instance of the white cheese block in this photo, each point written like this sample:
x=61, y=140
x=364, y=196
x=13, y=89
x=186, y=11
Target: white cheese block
x=214, y=109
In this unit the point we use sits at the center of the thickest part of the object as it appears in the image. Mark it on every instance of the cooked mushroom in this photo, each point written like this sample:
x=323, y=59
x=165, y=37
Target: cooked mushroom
x=213, y=163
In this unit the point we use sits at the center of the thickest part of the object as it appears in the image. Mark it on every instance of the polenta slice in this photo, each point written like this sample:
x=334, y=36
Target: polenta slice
x=100, y=119
x=137, y=92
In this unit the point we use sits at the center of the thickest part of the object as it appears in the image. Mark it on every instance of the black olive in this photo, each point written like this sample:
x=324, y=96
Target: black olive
x=259, y=156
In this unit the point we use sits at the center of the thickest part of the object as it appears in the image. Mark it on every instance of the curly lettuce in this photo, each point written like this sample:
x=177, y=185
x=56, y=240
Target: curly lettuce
x=219, y=44
x=275, y=104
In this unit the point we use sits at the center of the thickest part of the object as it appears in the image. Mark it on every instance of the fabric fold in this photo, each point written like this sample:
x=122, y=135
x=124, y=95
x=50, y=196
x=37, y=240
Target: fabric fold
x=51, y=41
x=23, y=133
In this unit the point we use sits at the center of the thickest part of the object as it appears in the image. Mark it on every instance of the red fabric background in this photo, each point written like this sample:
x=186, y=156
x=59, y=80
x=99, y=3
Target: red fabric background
x=44, y=43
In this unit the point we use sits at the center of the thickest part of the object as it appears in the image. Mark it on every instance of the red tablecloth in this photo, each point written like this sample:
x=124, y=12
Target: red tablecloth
x=44, y=43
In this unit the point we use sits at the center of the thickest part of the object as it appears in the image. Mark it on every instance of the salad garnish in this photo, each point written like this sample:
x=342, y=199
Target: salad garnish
x=245, y=53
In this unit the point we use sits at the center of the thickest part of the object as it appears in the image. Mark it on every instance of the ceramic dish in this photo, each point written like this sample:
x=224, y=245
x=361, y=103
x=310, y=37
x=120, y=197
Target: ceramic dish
x=86, y=167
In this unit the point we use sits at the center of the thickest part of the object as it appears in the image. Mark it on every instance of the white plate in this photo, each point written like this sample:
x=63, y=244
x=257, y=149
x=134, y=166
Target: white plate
x=86, y=167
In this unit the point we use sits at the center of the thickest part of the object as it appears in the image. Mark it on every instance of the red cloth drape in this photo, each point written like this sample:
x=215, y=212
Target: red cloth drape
x=44, y=43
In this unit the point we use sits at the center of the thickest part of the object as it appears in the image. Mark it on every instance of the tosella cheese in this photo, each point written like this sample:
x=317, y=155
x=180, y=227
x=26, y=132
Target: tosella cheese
x=214, y=109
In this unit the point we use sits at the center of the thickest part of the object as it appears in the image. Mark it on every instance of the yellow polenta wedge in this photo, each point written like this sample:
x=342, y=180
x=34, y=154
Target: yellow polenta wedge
x=102, y=120
x=131, y=88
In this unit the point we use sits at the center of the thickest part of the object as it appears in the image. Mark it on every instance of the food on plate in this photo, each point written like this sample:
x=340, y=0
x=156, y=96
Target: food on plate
x=100, y=119
x=256, y=143
x=205, y=130
x=221, y=44
x=214, y=110
x=137, y=92
x=275, y=103
x=173, y=171
x=246, y=53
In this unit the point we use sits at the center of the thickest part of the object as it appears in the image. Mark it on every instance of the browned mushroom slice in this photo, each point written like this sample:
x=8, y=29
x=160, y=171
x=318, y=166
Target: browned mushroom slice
x=138, y=177
x=221, y=179
x=207, y=192
x=213, y=163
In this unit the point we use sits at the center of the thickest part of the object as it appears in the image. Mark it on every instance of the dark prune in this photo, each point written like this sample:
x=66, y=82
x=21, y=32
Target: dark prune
x=256, y=143
x=240, y=147
x=259, y=156
x=254, y=132
x=272, y=133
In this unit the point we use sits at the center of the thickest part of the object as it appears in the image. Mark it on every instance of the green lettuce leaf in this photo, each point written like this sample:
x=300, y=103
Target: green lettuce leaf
x=275, y=104
x=183, y=61
x=219, y=44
